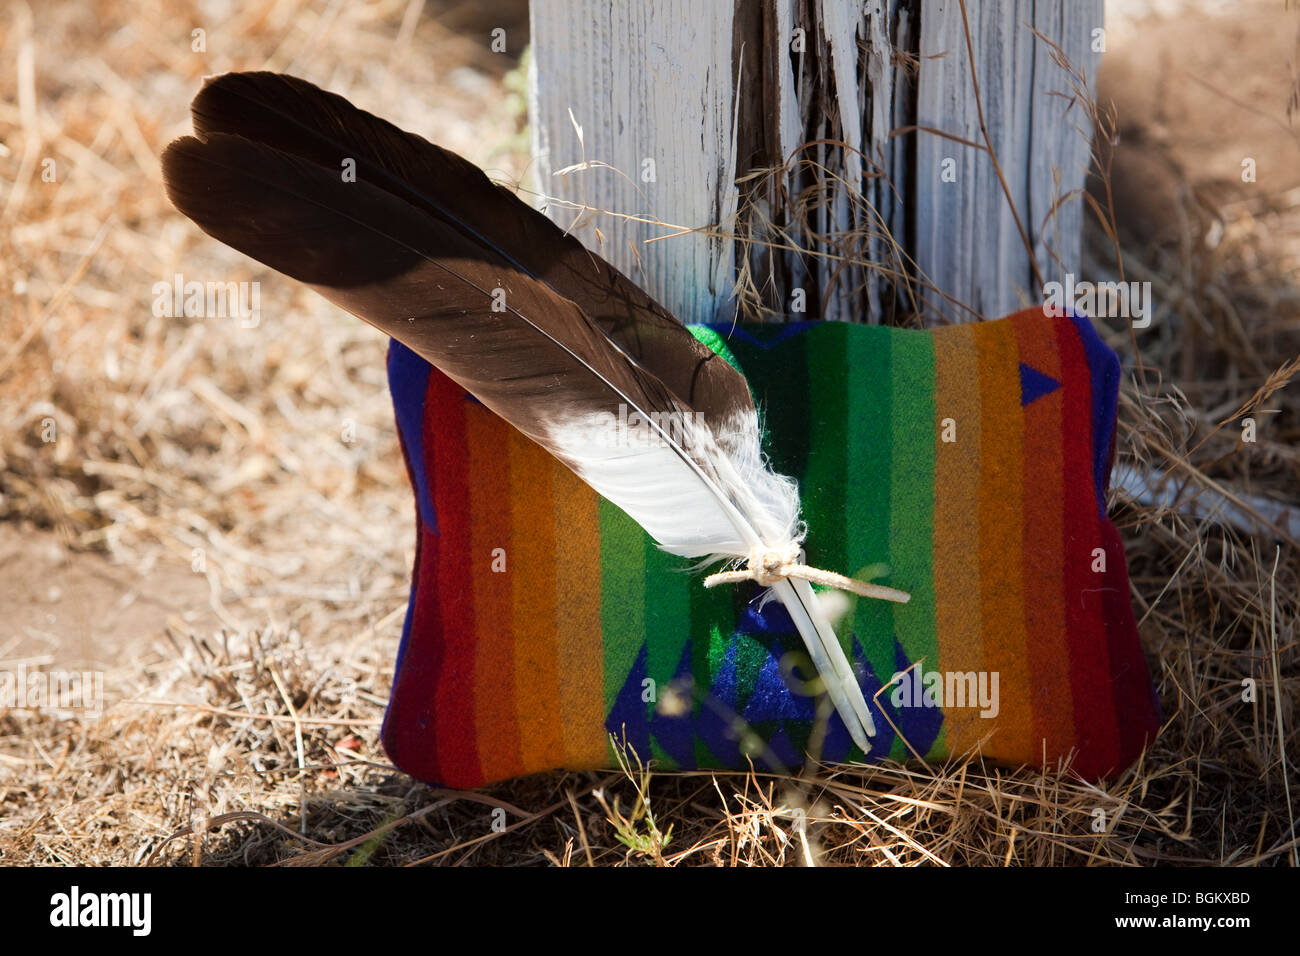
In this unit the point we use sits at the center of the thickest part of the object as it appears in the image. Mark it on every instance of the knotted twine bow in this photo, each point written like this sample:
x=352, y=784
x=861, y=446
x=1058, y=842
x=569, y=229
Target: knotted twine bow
x=767, y=566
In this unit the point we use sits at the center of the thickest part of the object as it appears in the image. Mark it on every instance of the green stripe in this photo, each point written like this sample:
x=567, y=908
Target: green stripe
x=714, y=613
x=667, y=621
x=868, y=409
x=911, y=503
x=622, y=586
x=825, y=478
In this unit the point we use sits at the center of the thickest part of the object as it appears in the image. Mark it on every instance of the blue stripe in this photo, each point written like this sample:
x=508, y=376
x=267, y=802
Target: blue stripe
x=1103, y=366
x=408, y=381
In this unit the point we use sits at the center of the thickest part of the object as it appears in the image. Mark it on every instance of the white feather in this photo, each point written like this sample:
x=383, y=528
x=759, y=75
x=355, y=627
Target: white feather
x=674, y=479
x=707, y=492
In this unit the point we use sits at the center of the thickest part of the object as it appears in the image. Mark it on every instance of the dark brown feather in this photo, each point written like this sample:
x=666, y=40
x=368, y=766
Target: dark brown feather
x=373, y=254
x=293, y=116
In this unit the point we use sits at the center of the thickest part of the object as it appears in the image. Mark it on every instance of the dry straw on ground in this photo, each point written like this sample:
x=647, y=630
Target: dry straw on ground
x=246, y=731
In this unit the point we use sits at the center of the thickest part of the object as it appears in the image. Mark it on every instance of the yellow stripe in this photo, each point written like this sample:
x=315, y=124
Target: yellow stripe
x=495, y=720
x=532, y=516
x=581, y=652
x=956, y=520
x=1001, y=557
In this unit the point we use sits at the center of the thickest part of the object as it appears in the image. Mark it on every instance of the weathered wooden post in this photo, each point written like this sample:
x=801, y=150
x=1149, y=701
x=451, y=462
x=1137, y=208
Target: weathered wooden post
x=870, y=111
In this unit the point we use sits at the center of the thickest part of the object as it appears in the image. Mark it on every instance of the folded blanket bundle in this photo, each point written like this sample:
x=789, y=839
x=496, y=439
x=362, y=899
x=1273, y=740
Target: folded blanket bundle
x=971, y=461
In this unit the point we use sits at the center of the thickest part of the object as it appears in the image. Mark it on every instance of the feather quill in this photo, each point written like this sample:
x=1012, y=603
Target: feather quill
x=542, y=331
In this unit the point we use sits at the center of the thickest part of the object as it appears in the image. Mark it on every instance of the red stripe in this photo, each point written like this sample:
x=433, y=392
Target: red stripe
x=410, y=706
x=1136, y=706
x=1085, y=598
x=1044, y=560
x=453, y=686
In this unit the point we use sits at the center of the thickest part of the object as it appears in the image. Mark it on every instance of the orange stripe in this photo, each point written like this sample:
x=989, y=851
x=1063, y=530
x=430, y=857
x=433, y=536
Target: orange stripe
x=532, y=552
x=956, y=520
x=581, y=651
x=1001, y=538
x=1047, y=653
x=496, y=723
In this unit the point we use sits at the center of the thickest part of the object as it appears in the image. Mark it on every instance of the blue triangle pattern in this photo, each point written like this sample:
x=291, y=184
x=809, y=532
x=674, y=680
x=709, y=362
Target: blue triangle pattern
x=675, y=733
x=919, y=725
x=773, y=699
x=628, y=715
x=1034, y=384
x=870, y=684
x=724, y=687
x=772, y=704
x=837, y=742
x=713, y=724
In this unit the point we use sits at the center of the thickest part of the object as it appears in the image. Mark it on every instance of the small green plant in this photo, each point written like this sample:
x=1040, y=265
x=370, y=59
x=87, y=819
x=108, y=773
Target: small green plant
x=637, y=830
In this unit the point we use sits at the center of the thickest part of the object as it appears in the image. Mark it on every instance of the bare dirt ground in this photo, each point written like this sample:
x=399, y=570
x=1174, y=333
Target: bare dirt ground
x=80, y=610
x=200, y=531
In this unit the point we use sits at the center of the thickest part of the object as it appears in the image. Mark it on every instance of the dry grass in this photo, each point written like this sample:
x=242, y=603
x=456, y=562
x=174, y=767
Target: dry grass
x=247, y=734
